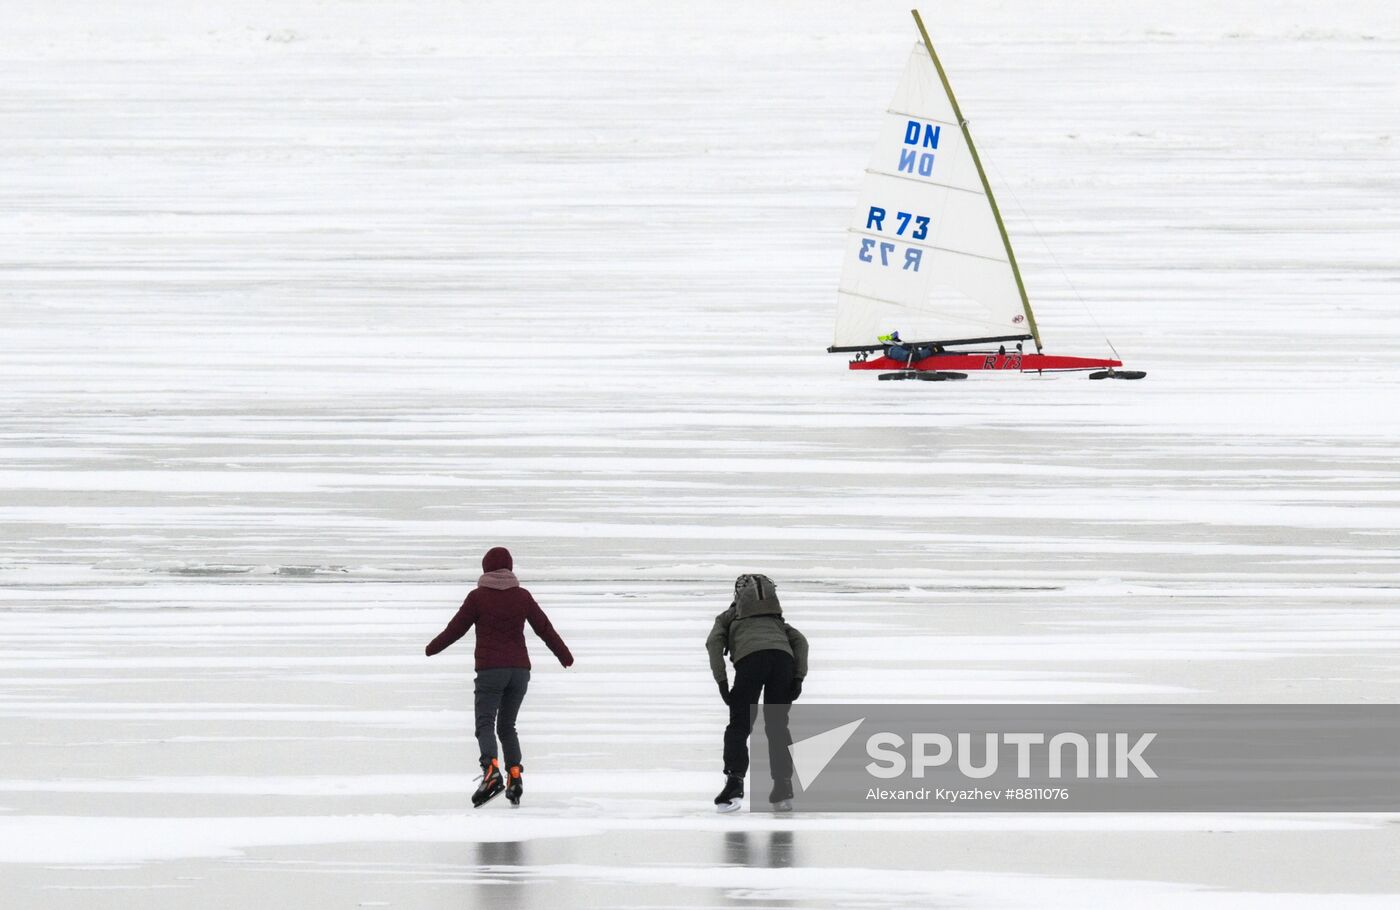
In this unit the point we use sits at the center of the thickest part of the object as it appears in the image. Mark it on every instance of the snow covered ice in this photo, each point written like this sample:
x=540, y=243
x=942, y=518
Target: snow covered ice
x=305, y=304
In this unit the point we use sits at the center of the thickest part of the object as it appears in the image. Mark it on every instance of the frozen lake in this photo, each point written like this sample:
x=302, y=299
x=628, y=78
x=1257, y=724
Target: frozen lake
x=306, y=305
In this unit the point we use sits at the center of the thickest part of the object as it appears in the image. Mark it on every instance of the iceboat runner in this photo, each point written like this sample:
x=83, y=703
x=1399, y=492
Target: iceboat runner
x=930, y=276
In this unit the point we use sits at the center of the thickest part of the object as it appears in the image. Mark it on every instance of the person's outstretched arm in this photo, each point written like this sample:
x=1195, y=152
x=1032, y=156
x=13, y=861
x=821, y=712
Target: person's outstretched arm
x=545, y=630
x=456, y=628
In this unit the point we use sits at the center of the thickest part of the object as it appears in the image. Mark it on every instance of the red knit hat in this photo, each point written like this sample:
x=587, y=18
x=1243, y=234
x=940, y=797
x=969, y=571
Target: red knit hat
x=497, y=558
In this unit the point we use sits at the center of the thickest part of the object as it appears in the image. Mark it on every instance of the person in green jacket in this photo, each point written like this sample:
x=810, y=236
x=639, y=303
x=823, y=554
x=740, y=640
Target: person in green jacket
x=770, y=658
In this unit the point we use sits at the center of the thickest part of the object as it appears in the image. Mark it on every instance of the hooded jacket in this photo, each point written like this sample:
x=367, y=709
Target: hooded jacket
x=754, y=622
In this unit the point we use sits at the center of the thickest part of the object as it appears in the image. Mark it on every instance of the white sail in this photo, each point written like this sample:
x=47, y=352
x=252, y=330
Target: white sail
x=924, y=254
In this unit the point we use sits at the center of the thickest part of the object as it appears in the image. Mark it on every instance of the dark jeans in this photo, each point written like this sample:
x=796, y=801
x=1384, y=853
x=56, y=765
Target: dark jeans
x=901, y=353
x=768, y=672
x=499, y=693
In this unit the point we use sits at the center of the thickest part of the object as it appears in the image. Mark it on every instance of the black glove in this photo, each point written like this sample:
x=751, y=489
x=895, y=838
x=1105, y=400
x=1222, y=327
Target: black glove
x=723, y=689
x=796, y=691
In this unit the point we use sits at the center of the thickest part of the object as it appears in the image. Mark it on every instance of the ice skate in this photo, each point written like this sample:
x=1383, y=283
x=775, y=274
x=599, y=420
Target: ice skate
x=731, y=798
x=780, y=797
x=515, y=786
x=491, y=784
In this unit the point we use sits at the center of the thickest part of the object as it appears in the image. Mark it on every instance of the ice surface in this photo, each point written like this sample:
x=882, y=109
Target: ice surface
x=306, y=304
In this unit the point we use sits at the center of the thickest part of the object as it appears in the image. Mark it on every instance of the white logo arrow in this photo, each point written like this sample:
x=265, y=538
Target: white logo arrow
x=810, y=756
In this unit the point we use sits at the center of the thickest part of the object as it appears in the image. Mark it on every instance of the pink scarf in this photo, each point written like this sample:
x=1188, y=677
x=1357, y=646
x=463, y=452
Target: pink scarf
x=498, y=580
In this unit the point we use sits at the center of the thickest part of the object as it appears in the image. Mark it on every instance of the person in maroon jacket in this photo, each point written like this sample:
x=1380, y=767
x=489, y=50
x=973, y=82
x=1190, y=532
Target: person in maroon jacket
x=499, y=608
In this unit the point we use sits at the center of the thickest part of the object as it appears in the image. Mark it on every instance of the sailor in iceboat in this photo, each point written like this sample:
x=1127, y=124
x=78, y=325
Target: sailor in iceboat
x=896, y=349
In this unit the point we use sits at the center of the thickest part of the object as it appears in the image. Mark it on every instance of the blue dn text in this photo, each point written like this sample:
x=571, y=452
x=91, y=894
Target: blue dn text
x=914, y=157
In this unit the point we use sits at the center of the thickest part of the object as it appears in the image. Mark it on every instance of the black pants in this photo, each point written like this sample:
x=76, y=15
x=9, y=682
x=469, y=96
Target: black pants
x=768, y=672
x=498, y=696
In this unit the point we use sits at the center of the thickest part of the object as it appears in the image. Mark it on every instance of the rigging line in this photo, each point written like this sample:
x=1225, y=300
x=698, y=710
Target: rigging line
x=1001, y=180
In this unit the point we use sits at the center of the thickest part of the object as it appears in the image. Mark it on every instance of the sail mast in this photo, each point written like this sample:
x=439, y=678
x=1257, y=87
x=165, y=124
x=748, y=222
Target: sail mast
x=986, y=186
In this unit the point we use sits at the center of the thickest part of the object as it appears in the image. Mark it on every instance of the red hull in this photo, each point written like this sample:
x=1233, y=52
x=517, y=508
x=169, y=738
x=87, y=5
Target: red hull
x=1024, y=363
